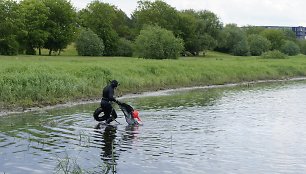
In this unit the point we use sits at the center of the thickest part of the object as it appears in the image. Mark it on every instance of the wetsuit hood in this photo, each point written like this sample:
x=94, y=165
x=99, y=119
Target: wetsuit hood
x=114, y=83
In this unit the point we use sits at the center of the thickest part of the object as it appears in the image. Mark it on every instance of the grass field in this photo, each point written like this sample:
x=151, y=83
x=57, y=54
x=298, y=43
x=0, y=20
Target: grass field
x=27, y=81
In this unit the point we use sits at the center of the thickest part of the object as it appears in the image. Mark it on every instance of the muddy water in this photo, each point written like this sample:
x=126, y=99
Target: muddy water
x=247, y=129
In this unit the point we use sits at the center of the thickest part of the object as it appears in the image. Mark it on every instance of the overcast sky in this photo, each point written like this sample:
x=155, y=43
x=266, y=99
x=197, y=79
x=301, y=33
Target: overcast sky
x=241, y=12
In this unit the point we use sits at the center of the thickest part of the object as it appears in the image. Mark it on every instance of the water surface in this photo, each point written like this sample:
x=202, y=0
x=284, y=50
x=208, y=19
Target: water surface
x=246, y=129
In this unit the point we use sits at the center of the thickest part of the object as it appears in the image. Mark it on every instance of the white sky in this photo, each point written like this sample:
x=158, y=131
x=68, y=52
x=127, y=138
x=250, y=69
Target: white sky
x=241, y=12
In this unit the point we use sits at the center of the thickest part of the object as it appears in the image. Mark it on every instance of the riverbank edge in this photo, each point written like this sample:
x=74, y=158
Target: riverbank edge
x=143, y=94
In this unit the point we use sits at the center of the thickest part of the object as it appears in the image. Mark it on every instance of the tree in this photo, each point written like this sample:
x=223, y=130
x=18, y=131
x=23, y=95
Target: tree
x=155, y=42
x=242, y=48
x=187, y=25
x=276, y=37
x=89, y=44
x=209, y=23
x=290, y=48
x=10, y=25
x=156, y=13
x=258, y=44
x=61, y=24
x=125, y=48
x=231, y=36
x=199, y=30
x=123, y=25
x=100, y=18
x=302, y=44
x=249, y=30
x=289, y=35
x=35, y=14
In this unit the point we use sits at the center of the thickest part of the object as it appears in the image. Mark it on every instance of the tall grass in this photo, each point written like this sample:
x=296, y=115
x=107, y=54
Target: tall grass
x=42, y=80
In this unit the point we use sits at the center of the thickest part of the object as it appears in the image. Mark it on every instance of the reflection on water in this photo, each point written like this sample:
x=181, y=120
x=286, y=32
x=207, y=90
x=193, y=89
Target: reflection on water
x=106, y=136
x=248, y=129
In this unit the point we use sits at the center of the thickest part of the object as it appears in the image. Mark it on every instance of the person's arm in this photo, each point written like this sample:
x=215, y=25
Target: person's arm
x=111, y=95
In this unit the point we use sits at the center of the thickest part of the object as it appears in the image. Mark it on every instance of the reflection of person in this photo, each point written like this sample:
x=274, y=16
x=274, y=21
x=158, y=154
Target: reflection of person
x=106, y=103
x=108, y=137
x=106, y=134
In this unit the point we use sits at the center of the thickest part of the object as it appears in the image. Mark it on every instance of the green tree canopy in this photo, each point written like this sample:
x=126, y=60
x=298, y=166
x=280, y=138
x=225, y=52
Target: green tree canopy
x=302, y=44
x=155, y=42
x=249, y=30
x=241, y=48
x=123, y=25
x=289, y=35
x=275, y=36
x=156, y=13
x=35, y=14
x=290, y=48
x=125, y=48
x=258, y=44
x=199, y=30
x=231, y=35
x=10, y=27
x=89, y=44
x=100, y=18
x=61, y=24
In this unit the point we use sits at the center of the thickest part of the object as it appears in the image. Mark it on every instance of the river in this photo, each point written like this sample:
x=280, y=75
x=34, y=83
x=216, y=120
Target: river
x=257, y=128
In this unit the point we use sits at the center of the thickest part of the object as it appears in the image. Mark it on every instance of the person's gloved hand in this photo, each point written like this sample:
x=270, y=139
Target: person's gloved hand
x=118, y=102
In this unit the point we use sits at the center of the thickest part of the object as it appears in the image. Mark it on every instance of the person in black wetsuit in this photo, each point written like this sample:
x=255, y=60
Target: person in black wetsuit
x=106, y=103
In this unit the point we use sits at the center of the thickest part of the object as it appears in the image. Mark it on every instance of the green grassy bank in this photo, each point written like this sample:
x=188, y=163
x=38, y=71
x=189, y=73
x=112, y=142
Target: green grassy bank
x=27, y=81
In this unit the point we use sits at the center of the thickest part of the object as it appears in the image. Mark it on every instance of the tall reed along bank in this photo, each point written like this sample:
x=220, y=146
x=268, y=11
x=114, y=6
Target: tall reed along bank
x=30, y=81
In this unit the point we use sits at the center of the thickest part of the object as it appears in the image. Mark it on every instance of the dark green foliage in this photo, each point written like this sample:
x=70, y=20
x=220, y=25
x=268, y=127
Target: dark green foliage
x=276, y=37
x=290, y=48
x=89, y=44
x=123, y=25
x=258, y=44
x=233, y=40
x=275, y=54
x=302, y=44
x=9, y=46
x=35, y=14
x=125, y=48
x=199, y=30
x=289, y=35
x=61, y=24
x=242, y=48
x=156, y=13
x=9, y=27
x=100, y=18
x=249, y=30
x=157, y=43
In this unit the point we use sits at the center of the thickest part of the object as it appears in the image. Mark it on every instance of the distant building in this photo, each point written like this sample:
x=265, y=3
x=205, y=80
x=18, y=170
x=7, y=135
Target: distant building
x=300, y=32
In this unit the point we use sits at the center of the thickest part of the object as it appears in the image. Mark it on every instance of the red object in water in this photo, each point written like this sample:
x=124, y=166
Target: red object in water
x=135, y=114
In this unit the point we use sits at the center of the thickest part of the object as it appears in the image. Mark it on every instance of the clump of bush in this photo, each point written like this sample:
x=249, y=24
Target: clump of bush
x=242, y=48
x=275, y=54
x=125, y=48
x=290, y=48
x=8, y=46
x=89, y=44
x=302, y=44
x=155, y=42
x=258, y=44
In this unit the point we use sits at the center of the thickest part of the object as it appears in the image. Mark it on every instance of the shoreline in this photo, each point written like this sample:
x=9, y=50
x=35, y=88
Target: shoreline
x=142, y=94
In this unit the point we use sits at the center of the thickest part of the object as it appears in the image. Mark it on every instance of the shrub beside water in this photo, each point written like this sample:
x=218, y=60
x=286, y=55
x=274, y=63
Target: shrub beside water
x=275, y=54
x=155, y=42
x=290, y=48
x=125, y=48
x=89, y=44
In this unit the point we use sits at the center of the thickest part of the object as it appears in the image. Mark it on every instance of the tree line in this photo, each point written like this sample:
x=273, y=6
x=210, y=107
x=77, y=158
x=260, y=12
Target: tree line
x=154, y=30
